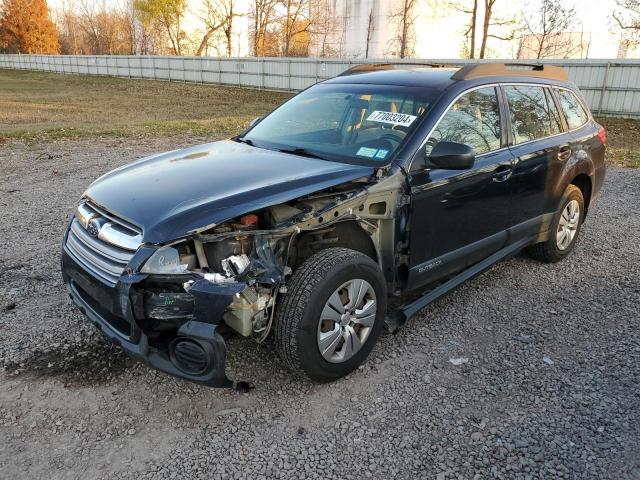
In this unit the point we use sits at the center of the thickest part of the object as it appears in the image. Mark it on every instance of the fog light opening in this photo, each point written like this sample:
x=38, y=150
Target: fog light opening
x=190, y=356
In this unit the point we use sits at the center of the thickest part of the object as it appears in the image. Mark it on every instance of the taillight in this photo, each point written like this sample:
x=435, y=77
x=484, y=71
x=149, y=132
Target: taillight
x=602, y=135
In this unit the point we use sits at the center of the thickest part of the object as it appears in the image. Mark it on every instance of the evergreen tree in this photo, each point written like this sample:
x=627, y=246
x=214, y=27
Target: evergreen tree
x=25, y=27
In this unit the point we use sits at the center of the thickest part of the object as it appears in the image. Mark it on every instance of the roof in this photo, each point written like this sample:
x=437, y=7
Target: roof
x=402, y=75
x=441, y=76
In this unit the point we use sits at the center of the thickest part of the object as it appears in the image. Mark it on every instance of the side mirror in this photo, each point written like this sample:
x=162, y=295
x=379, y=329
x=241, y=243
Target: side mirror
x=452, y=156
x=254, y=121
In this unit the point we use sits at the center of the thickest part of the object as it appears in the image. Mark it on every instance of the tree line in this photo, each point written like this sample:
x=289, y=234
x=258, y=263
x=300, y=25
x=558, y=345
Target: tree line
x=276, y=27
x=98, y=27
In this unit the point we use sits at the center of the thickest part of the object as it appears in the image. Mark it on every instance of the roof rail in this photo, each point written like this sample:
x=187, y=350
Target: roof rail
x=367, y=67
x=537, y=70
x=374, y=67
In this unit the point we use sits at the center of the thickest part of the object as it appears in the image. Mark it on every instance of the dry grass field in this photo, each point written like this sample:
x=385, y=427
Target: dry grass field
x=37, y=106
x=623, y=141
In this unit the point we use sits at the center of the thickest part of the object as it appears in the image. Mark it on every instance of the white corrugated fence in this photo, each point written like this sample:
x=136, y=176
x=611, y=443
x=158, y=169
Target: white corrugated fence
x=611, y=87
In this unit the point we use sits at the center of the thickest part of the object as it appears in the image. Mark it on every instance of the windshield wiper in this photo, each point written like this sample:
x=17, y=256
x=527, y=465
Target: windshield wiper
x=303, y=152
x=295, y=151
x=244, y=140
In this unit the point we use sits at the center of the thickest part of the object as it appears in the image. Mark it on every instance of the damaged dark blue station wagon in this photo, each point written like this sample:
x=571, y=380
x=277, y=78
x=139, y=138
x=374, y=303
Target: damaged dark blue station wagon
x=354, y=204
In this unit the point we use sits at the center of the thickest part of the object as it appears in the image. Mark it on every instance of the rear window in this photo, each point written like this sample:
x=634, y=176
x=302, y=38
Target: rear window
x=573, y=110
x=533, y=112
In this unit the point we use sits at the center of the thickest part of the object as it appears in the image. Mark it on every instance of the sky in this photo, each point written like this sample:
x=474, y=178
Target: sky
x=595, y=17
x=593, y=14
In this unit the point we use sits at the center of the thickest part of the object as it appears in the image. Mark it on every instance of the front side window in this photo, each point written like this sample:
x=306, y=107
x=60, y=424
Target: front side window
x=474, y=120
x=532, y=111
x=573, y=111
x=352, y=123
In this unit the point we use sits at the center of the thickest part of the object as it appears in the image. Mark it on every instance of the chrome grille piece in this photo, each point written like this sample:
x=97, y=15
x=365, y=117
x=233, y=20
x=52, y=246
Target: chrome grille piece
x=110, y=228
x=102, y=245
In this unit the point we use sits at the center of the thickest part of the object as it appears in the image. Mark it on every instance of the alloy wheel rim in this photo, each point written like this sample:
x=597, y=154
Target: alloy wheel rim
x=346, y=321
x=568, y=225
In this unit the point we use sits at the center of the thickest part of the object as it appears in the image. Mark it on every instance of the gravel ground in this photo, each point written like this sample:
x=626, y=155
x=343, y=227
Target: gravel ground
x=549, y=389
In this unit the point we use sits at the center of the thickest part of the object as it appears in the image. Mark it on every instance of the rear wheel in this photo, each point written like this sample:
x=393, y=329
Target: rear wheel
x=564, y=228
x=331, y=315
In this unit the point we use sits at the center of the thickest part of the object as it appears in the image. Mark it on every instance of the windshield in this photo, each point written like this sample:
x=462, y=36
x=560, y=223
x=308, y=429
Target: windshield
x=362, y=124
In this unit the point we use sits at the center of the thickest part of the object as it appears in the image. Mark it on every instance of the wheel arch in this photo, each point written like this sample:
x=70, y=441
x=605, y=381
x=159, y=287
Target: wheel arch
x=347, y=234
x=584, y=183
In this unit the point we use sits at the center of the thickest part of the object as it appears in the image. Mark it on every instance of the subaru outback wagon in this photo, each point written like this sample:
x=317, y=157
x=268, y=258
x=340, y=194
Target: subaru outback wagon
x=354, y=204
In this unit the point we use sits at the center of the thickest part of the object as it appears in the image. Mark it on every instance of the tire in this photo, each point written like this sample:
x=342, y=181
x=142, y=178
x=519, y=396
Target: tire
x=301, y=320
x=553, y=250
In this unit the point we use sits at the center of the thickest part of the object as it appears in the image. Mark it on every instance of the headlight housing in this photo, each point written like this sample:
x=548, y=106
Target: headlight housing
x=165, y=260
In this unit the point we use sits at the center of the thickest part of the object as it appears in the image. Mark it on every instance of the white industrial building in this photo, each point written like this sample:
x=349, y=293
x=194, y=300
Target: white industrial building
x=436, y=29
x=439, y=26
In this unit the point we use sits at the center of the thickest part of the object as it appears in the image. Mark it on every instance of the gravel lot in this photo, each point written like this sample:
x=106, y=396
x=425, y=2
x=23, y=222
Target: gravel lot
x=550, y=389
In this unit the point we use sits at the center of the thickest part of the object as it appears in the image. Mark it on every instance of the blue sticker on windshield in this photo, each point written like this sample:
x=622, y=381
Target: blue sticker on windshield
x=382, y=153
x=367, y=152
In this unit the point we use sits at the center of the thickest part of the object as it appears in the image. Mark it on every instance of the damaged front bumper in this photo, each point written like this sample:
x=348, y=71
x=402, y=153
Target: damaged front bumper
x=187, y=345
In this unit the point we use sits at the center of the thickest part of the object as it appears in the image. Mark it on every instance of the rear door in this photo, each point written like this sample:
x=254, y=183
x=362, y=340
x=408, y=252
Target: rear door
x=459, y=217
x=541, y=148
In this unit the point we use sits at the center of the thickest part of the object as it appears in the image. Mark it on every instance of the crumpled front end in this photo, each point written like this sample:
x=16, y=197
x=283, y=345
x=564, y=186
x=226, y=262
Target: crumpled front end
x=191, y=349
x=167, y=305
x=170, y=321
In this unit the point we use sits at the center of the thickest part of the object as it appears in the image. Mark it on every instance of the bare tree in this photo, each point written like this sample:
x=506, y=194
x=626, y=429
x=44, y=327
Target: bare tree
x=130, y=30
x=217, y=17
x=472, y=29
x=403, y=43
x=481, y=14
x=167, y=13
x=486, y=23
x=627, y=15
x=548, y=33
x=71, y=39
x=471, y=10
x=295, y=27
x=323, y=28
x=88, y=22
x=263, y=13
x=95, y=28
x=370, y=29
x=100, y=27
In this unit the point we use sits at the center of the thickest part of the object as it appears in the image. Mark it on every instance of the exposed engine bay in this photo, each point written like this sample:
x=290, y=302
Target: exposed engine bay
x=247, y=260
x=175, y=302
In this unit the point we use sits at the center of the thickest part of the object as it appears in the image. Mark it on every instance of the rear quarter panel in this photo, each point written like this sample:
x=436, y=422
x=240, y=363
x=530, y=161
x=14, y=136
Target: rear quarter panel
x=590, y=157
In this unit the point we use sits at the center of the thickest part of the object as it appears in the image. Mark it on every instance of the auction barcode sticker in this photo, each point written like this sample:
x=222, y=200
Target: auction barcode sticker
x=392, y=118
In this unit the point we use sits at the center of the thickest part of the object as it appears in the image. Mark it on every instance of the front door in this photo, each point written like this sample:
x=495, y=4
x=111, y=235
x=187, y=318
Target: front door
x=459, y=217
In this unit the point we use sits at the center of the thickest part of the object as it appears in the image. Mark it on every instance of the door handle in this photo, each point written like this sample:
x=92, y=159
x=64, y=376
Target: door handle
x=502, y=173
x=564, y=153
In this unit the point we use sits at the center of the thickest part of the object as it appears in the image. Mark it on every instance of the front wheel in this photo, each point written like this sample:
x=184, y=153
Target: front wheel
x=329, y=319
x=564, y=228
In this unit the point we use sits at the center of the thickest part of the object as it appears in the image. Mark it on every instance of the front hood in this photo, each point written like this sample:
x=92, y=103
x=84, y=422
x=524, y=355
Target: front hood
x=172, y=194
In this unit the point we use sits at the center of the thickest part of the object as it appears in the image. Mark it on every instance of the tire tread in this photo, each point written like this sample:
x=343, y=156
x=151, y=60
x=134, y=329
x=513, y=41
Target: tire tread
x=290, y=310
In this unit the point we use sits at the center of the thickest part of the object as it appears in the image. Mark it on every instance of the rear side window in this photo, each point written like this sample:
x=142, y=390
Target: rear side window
x=474, y=120
x=533, y=113
x=572, y=108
